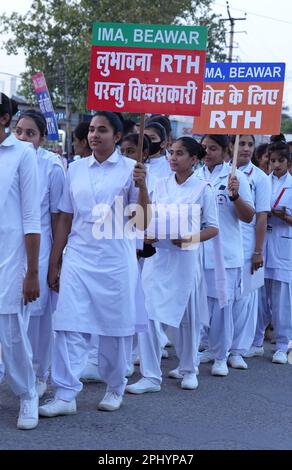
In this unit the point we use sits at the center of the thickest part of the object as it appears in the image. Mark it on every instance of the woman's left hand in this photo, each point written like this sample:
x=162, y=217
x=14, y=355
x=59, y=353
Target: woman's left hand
x=139, y=175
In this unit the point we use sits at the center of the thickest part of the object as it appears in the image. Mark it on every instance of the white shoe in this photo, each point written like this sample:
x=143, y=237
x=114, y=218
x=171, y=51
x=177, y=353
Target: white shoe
x=58, y=407
x=130, y=370
x=110, y=402
x=254, y=352
x=175, y=374
x=164, y=354
x=90, y=374
x=280, y=357
x=41, y=387
x=236, y=362
x=28, y=417
x=219, y=368
x=205, y=357
x=168, y=344
x=143, y=385
x=189, y=381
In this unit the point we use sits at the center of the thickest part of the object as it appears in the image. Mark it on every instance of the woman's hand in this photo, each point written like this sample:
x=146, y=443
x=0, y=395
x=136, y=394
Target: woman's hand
x=257, y=262
x=233, y=185
x=54, y=277
x=31, y=287
x=139, y=175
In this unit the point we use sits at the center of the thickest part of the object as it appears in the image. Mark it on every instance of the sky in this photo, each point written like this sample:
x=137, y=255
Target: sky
x=265, y=35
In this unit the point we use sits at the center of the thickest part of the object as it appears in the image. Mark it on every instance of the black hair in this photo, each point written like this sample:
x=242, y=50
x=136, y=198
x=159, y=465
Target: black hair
x=81, y=131
x=129, y=124
x=281, y=148
x=158, y=128
x=113, y=119
x=277, y=138
x=193, y=147
x=221, y=139
x=233, y=136
x=7, y=106
x=261, y=150
x=163, y=120
x=134, y=139
x=38, y=118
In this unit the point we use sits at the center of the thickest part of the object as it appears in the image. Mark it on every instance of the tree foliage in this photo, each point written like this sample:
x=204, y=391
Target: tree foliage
x=55, y=36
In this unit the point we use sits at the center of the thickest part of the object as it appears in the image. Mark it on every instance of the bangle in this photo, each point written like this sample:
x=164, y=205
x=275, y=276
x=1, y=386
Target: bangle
x=234, y=198
x=257, y=252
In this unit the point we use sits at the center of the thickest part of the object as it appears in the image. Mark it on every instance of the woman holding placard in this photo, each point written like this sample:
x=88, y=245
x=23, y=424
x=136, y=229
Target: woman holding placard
x=235, y=204
x=99, y=274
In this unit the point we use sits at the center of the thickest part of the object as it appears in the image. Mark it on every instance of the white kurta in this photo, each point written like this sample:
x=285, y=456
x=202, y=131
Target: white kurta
x=19, y=215
x=279, y=234
x=173, y=274
x=229, y=224
x=99, y=276
x=157, y=168
x=260, y=187
x=51, y=179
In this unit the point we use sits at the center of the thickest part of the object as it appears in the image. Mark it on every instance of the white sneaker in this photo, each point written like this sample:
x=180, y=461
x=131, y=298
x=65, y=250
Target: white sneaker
x=143, y=385
x=280, y=357
x=219, y=368
x=136, y=361
x=205, y=357
x=58, y=407
x=236, y=362
x=189, y=381
x=168, y=344
x=41, y=387
x=110, y=402
x=175, y=374
x=90, y=374
x=164, y=354
x=254, y=352
x=28, y=417
x=130, y=370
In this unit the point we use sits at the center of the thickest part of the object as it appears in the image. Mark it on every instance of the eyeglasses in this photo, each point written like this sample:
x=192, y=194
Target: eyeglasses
x=28, y=132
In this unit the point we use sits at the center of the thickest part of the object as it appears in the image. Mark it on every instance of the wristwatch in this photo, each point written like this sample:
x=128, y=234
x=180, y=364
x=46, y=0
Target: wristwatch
x=234, y=198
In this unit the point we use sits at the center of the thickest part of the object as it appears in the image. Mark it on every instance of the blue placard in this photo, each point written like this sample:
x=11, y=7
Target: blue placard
x=47, y=109
x=245, y=72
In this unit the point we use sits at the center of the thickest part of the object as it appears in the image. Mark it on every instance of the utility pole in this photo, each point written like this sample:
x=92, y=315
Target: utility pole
x=231, y=32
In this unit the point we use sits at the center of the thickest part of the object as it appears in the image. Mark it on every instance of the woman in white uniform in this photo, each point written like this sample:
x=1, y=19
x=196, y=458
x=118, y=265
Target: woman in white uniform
x=245, y=317
x=235, y=204
x=172, y=279
x=278, y=268
x=99, y=270
x=31, y=127
x=19, y=241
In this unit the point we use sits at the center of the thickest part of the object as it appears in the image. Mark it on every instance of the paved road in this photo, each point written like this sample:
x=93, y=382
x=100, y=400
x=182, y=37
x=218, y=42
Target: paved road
x=247, y=410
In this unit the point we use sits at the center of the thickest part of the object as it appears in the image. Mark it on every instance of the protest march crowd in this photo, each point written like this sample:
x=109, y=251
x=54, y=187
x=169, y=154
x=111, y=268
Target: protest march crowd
x=142, y=241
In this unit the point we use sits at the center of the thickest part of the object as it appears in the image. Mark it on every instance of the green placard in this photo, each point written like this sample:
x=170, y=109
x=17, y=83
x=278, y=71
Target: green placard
x=150, y=36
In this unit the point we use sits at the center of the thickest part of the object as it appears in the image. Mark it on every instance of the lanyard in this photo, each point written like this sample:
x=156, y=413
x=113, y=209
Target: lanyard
x=278, y=198
x=249, y=173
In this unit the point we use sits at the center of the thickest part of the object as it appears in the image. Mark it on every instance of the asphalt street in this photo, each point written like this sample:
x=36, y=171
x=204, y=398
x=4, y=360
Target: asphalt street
x=249, y=409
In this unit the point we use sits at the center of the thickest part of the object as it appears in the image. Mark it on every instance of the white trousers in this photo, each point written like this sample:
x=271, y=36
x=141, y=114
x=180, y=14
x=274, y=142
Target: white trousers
x=93, y=350
x=40, y=333
x=17, y=355
x=264, y=315
x=244, y=322
x=279, y=298
x=220, y=332
x=70, y=355
x=186, y=340
x=150, y=353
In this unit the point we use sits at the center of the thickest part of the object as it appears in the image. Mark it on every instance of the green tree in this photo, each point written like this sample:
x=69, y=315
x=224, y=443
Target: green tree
x=55, y=36
x=286, y=121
